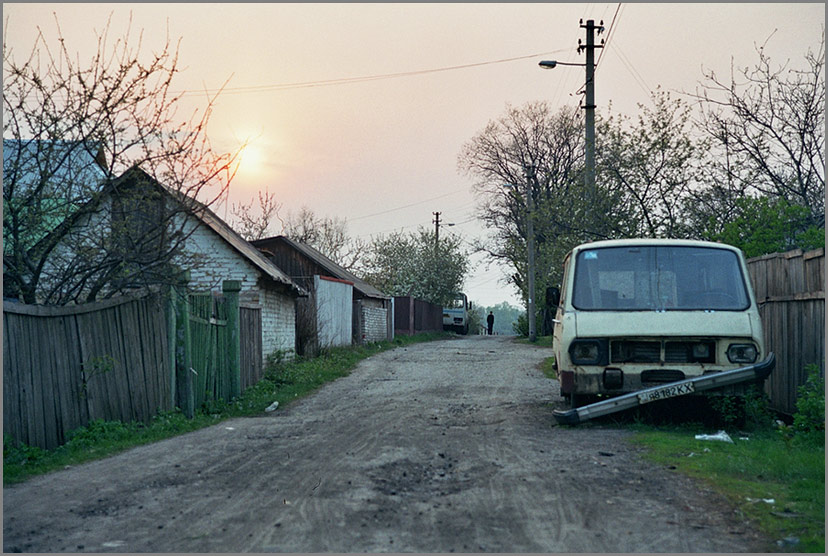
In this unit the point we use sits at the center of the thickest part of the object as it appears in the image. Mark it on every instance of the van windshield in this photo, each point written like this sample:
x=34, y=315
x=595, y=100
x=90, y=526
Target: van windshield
x=663, y=278
x=457, y=303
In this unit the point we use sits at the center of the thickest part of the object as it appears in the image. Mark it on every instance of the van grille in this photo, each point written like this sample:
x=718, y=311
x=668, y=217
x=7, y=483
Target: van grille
x=683, y=352
x=635, y=352
x=642, y=351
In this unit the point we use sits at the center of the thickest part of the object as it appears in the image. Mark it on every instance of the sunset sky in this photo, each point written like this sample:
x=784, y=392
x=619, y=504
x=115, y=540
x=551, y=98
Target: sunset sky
x=382, y=151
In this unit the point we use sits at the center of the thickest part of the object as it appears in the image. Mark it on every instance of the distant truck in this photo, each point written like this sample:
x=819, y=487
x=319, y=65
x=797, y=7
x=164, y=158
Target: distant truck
x=456, y=314
x=635, y=314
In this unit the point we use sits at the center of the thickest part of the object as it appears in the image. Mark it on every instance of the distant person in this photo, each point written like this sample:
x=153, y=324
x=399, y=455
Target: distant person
x=490, y=322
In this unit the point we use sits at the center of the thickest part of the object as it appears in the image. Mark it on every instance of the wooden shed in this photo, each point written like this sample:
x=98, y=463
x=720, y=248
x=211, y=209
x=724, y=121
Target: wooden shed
x=372, y=314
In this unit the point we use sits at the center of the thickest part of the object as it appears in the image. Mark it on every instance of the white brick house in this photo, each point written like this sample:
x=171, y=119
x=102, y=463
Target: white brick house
x=205, y=246
x=224, y=255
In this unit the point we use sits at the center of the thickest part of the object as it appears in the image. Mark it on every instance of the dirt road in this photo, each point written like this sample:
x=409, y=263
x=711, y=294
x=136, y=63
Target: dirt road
x=441, y=447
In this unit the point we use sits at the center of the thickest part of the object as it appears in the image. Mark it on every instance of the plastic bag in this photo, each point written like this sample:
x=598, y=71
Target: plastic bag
x=721, y=436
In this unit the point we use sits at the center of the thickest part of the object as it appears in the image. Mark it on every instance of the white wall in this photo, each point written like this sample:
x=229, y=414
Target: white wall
x=334, y=309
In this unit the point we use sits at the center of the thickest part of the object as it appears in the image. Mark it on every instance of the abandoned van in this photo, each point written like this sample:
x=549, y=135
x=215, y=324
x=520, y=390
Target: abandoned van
x=634, y=314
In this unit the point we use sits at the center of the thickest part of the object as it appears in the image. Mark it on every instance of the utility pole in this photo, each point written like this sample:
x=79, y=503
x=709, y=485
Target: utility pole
x=530, y=246
x=590, y=101
x=437, y=227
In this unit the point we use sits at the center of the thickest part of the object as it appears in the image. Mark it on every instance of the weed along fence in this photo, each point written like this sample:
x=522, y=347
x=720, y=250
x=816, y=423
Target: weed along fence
x=66, y=366
x=125, y=359
x=790, y=292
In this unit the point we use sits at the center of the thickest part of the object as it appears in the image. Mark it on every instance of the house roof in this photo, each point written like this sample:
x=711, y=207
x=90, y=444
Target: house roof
x=247, y=250
x=27, y=161
x=230, y=236
x=333, y=269
x=47, y=182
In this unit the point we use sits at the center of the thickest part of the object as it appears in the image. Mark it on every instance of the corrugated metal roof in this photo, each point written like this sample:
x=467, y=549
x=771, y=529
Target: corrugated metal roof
x=334, y=269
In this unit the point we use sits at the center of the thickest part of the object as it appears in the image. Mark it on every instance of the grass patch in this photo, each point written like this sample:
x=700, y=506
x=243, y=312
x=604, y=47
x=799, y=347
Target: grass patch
x=766, y=466
x=542, y=341
x=547, y=367
x=283, y=381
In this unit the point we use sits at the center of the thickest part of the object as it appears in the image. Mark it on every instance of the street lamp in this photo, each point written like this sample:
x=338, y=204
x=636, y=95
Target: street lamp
x=549, y=64
x=590, y=97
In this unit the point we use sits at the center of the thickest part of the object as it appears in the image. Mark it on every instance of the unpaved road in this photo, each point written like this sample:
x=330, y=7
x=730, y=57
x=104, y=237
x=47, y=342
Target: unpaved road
x=448, y=446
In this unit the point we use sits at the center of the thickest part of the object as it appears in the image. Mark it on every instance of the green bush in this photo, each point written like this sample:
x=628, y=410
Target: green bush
x=521, y=327
x=750, y=411
x=17, y=453
x=809, y=419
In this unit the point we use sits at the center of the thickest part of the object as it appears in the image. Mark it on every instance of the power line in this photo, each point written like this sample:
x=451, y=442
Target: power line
x=609, y=36
x=633, y=72
x=402, y=207
x=361, y=79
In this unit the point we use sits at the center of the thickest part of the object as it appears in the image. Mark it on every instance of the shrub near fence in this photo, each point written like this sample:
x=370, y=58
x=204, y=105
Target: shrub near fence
x=66, y=366
x=790, y=291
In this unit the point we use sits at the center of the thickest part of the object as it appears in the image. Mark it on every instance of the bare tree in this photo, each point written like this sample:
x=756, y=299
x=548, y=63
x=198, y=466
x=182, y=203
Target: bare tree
x=71, y=131
x=257, y=225
x=767, y=127
x=552, y=145
x=328, y=235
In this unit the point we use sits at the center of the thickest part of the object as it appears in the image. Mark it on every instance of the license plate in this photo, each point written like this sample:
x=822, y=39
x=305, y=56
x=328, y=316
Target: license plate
x=666, y=392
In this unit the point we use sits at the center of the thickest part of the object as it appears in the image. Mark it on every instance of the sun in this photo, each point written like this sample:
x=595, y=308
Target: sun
x=251, y=161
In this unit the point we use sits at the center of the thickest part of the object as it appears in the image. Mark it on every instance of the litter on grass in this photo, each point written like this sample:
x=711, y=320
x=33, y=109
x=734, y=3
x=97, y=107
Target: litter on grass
x=721, y=436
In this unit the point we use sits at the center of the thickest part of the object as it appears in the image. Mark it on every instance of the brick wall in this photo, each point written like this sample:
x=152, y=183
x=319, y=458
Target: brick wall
x=374, y=321
x=278, y=323
x=217, y=262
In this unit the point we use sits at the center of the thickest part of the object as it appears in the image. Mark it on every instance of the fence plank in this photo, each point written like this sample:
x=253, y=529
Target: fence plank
x=250, y=356
x=12, y=410
x=48, y=351
x=789, y=288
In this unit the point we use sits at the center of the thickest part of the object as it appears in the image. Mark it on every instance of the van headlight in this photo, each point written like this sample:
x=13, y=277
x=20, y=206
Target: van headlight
x=742, y=353
x=588, y=352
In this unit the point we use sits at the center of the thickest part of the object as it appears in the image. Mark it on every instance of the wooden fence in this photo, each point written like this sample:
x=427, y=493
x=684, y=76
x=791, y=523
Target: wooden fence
x=250, y=335
x=119, y=360
x=790, y=291
x=412, y=316
x=66, y=366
